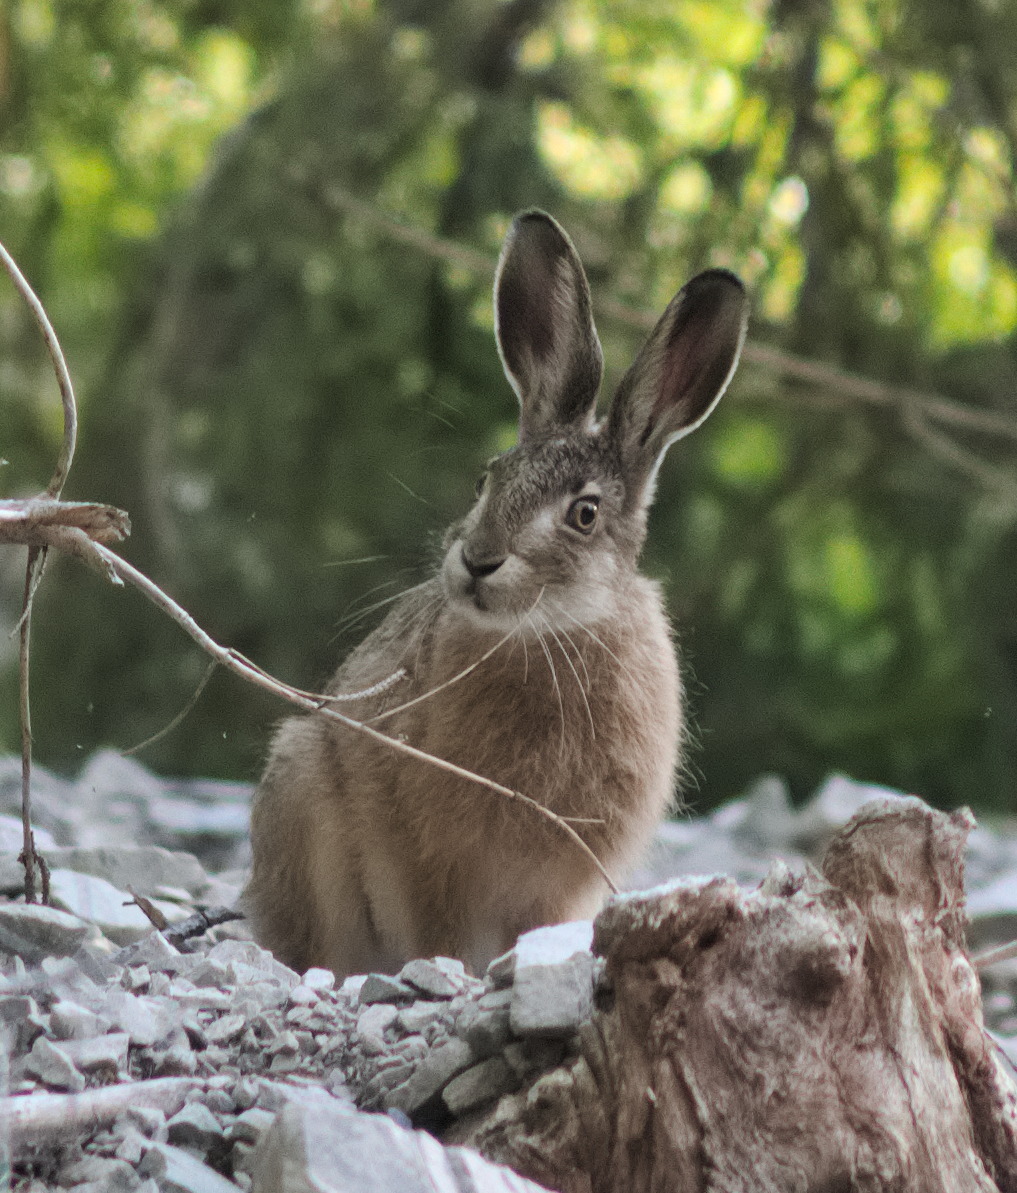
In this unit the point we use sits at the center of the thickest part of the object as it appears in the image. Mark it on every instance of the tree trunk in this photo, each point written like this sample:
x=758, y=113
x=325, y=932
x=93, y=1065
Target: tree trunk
x=821, y=1033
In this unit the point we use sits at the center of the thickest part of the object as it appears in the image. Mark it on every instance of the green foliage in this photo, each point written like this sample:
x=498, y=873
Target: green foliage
x=292, y=404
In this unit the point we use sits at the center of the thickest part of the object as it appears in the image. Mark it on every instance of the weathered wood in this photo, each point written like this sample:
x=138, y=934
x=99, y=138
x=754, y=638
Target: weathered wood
x=823, y=1032
x=26, y=521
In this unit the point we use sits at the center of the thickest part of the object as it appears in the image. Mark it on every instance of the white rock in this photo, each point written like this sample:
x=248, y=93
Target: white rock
x=100, y=903
x=178, y=1171
x=553, y=989
x=51, y=1064
x=33, y=932
x=332, y=1150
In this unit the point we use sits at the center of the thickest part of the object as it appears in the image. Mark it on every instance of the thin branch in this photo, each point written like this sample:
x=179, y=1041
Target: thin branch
x=76, y=542
x=37, y=558
x=1004, y=952
x=168, y=729
x=56, y=484
x=813, y=372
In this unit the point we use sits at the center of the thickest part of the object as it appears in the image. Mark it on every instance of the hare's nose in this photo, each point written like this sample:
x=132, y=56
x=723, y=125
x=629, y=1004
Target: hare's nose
x=479, y=570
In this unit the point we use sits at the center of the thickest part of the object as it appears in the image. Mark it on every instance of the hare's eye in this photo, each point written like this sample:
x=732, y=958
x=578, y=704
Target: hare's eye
x=481, y=483
x=582, y=515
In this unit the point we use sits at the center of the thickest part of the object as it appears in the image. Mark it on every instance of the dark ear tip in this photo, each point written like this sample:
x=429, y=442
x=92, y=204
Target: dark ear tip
x=719, y=278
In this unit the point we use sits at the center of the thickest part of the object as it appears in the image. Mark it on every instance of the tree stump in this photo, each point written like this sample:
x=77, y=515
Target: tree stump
x=821, y=1033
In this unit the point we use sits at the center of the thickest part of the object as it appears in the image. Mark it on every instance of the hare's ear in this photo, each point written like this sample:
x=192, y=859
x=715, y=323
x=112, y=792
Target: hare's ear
x=544, y=324
x=679, y=375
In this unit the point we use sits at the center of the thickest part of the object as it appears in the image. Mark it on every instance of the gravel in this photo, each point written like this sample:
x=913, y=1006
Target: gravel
x=135, y=1064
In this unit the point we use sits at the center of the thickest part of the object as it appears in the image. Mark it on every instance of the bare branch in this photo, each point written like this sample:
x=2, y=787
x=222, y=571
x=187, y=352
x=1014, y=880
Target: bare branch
x=56, y=484
x=167, y=729
x=75, y=542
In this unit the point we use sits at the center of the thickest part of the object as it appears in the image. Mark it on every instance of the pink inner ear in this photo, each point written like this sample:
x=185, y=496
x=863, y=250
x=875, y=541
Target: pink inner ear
x=680, y=373
x=697, y=357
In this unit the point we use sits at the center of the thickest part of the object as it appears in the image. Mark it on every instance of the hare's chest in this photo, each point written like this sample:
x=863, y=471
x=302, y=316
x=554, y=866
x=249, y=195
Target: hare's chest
x=546, y=714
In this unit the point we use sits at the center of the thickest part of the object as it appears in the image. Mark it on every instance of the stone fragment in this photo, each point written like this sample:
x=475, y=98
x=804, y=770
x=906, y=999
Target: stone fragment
x=303, y=996
x=484, y=1024
x=339, y=1151
x=131, y=1145
x=12, y=836
x=430, y=1076
x=177, y=1171
x=71, y=1021
x=433, y=979
x=553, y=989
x=249, y=1126
x=53, y=1067
x=209, y=973
x=380, y=987
x=155, y=951
x=137, y=1015
x=261, y=961
x=318, y=979
x=225, y=1030
x=479, y=1084
x=372, y=1022
x=20, y=1013
x=194, y=1126
x=420, y=1015
x=146, y=868
x=501, y=971
x=149, y=1120
x=103, y=1173
x=32, y=932
x=107, y=1053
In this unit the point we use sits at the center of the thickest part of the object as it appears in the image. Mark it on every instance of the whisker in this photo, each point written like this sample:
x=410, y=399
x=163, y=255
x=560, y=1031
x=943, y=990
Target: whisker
x=598, y=640
x=448, y=682
x=579, y=683
x=554, y=680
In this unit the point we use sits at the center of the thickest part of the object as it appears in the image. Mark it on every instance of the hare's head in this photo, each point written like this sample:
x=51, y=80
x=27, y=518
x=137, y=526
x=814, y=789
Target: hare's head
x=560, y=518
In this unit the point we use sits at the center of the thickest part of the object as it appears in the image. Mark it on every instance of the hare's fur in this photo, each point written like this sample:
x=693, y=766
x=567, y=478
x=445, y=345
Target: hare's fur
x=364, y=858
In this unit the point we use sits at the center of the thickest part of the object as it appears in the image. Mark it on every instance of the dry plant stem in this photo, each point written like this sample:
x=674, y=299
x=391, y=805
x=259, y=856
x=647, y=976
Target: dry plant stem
x=33, y=1123
x=167, y=729
x=1003, y=952
x=79, y=544
x=37, y=558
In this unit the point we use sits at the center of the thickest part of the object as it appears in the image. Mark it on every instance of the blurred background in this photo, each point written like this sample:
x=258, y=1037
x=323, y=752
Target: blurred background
x=265, y=229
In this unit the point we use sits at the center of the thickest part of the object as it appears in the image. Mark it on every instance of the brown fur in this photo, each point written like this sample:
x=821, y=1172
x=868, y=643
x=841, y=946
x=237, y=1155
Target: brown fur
x=364, y=858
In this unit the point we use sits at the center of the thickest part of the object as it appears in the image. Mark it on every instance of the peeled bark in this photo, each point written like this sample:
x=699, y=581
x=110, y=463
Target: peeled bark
x=822, y=1033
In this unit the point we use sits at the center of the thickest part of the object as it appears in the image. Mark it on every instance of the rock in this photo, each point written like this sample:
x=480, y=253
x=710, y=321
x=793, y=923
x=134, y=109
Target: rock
x=136, y=1015
x=194, y=1126
x=54, y=807
x=103, y=1173
x=249, y=1126
x=479, y=1084
x=226, y=1029
x=12, y=835
x=33, y=932
x=501, y=971
x=20, y=1012
x=420, y=1015
x=70, y=1021
x=106, y=1052
x=177, y=1171
x=372, y=1023
x=53, y=1067
x=319, y=979
x=381, y=988
x=339, y=1151
x=526, y=1057
x=100, y=903
x=441, y=978
x=153, y=951
x=146, y=868
x=485, y=1024
x=430, y=1076
x=553, y=990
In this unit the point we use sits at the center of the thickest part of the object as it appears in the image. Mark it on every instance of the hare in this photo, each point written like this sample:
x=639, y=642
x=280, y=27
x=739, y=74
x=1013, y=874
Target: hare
x=364, y=857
